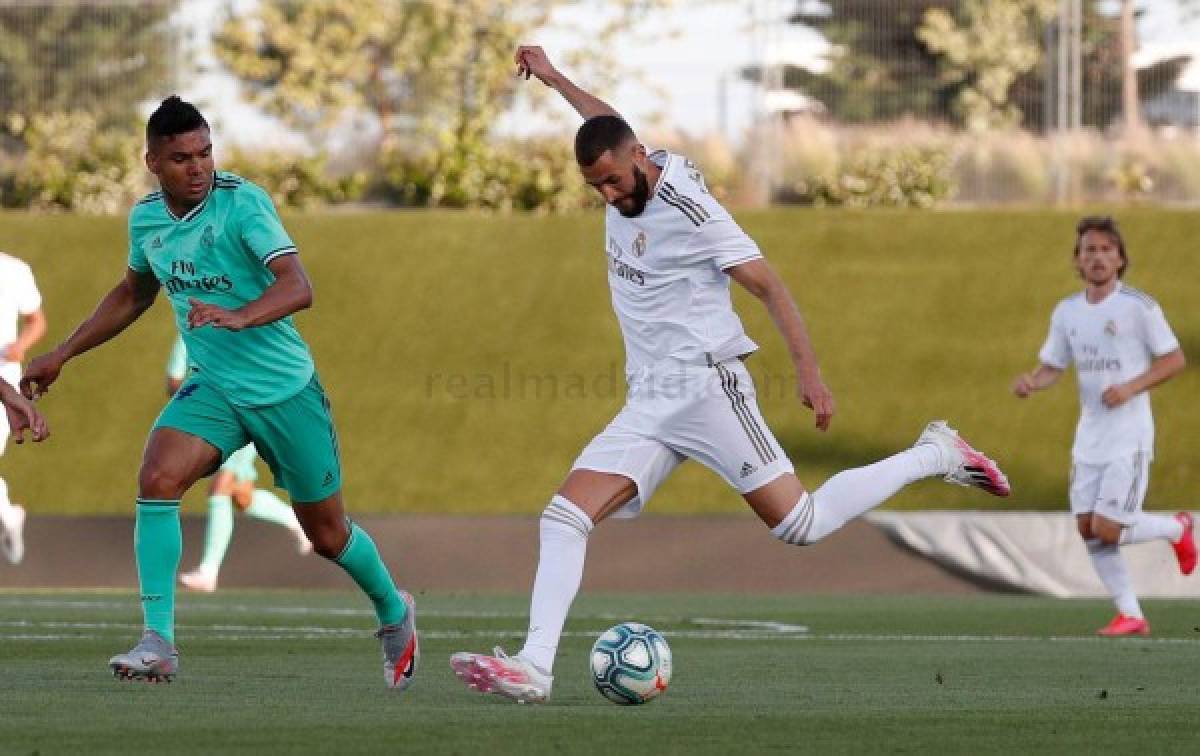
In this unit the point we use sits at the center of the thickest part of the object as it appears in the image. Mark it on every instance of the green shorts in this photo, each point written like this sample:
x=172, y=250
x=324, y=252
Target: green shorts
x=296, y=437
x=241, y=464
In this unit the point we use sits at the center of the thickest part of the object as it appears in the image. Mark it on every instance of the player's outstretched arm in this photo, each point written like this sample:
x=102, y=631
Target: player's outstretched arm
x=116, y=312
x=1161, y=370
x=1041, y=377
x=761, y=280
x=22, y=415
x=532, y=60
x=290, y=293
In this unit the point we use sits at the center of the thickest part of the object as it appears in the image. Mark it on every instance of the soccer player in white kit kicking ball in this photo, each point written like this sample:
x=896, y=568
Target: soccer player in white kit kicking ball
x=1122, y=346
x=22, y=324
x=672, y=250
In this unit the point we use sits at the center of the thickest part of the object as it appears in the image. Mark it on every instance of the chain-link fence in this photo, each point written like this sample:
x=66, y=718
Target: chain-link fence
x=863, y=102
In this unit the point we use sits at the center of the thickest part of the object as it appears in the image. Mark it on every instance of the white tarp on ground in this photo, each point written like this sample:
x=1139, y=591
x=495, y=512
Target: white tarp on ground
x=1039, y=552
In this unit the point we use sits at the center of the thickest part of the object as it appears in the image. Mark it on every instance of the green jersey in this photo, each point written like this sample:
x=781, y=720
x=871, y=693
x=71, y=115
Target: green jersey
x=218, y=253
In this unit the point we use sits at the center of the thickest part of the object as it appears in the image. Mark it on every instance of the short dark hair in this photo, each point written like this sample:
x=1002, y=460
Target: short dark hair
x=173, y=116
x=598, y=135
x=1104, y=224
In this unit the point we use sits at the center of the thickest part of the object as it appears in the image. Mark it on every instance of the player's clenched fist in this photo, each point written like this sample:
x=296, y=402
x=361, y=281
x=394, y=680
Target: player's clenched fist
x=532, y=60
x=39, y=374
x=1024, y=385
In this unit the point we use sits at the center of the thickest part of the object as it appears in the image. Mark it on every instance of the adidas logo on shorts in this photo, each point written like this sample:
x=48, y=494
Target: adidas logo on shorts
x=748, y=470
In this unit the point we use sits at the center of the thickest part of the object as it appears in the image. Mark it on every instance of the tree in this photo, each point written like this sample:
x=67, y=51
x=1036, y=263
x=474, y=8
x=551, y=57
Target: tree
x=100, y=58
x=984, y=54
x=440, y=68
x=878, y=68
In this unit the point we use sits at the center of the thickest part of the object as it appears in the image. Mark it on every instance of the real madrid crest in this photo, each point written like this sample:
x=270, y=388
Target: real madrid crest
x=1111, y=328
x=208, y=239
x=639, y=244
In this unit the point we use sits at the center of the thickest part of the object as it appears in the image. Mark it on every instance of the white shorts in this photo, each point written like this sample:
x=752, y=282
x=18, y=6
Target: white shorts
x=1114, y=490
x=680, y=411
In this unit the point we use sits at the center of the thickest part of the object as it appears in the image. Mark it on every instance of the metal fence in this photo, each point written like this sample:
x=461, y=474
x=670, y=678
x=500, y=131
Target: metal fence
x=861, y=101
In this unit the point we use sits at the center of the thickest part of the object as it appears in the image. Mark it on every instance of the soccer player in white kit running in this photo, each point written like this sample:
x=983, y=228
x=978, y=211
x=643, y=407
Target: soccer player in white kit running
x=20, y=302
x=1121, y=346
x=672, y=250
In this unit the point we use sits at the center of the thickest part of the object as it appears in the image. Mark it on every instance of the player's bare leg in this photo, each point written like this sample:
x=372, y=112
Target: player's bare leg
x=172, y=462
x=584, y=499
x=343, y=542
x=798, y=517
x=222, y=494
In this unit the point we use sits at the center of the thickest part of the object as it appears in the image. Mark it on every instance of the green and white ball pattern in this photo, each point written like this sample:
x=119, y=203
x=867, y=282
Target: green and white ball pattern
x=631, y=663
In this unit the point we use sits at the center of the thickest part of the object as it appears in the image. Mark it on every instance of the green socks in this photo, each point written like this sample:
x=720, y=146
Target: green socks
x=268, y=507
x=217, y=534
x=157, y=543
x=361, y=560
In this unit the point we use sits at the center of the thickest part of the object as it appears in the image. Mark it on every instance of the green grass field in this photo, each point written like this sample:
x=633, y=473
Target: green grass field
x=470, y=357
x=298, y=673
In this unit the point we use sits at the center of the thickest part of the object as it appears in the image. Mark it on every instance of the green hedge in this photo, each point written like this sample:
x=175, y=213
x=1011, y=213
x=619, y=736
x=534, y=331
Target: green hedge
x=469, y=357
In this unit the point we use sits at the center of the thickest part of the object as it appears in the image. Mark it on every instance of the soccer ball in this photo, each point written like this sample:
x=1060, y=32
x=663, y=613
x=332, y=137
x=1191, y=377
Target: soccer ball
x=631, y=663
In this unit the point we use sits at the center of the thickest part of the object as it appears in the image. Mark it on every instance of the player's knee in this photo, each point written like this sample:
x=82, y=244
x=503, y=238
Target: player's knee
x=797, y=528
x=563, y=515
x=328, y=539
x=160, y=482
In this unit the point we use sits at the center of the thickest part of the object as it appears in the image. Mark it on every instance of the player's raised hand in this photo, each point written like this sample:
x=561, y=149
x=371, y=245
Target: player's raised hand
x=532, y=60
x=23, y=416
x=817, y=397
x=203, y=313
x=39, y=374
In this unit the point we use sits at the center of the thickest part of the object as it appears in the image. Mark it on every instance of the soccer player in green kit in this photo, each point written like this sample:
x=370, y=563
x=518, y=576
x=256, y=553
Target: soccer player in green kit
x=214, y=242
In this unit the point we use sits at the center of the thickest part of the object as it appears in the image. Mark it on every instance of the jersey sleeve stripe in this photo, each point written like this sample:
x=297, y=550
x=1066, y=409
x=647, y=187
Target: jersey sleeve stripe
x=281, y=252
x=675, y=194
x=1139, y=295
x=739, y=261
x=696, y=220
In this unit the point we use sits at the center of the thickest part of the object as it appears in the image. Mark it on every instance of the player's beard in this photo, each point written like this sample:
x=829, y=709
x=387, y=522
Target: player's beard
x=639, y=196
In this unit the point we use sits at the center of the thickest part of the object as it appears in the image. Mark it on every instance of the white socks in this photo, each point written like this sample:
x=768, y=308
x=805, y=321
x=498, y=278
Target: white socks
x=1152, y=527
x=853, y=492
x=564, y=533
x=4, y=501
x=1107, y=561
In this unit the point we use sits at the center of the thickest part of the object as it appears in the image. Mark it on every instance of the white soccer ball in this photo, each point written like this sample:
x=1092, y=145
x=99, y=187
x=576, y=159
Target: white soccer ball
x=631, y=663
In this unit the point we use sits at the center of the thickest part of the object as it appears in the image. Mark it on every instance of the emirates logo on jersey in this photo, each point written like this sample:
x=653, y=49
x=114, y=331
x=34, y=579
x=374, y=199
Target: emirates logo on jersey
x=639, y=244
x=1110, y=328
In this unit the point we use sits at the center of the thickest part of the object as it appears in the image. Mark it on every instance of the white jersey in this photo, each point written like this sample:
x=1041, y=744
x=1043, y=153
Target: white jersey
x=1109, y=342
x=666, y=270
x=18, y=296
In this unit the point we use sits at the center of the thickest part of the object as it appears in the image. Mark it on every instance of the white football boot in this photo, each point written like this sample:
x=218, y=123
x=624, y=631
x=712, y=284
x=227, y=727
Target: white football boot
x=967, y=466
x=510, y=676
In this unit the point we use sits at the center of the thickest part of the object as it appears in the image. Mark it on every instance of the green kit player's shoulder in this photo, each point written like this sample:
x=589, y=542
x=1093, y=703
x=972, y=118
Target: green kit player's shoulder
x=147, y=210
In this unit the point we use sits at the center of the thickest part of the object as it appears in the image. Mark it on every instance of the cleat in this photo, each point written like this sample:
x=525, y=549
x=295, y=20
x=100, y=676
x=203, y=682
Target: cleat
x=152, y=659
x=12, y=528
x=401, y=649
x=1185, y=547
x=1123, y=625
x=512, y=677
x=201, y=581
x=968, y=466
